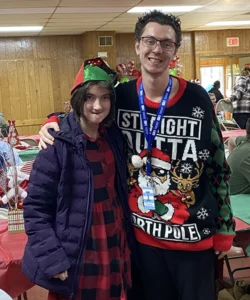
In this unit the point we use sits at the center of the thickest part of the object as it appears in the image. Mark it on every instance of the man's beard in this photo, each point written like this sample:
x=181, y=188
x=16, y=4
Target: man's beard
x=160, y=188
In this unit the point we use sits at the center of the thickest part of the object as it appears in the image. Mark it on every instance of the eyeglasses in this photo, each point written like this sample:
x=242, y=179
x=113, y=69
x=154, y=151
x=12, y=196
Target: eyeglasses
x=158, y=171
x=151, y=42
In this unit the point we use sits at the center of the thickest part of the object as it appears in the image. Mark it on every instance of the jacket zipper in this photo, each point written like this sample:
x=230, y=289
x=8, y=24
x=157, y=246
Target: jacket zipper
x=84, y=233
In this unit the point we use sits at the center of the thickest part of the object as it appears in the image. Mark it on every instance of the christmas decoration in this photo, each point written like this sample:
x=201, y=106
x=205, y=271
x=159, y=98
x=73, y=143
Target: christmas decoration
x=94, y=69
x=13, y=182
x=124, y=79
x=196, y=81
x=13, y=138
x=175, y=66
x=127, y=71
x=130, y=67
x=121, y=69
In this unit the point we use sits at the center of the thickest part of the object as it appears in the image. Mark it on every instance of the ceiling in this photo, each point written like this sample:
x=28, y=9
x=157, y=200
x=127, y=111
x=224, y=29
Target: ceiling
x=70, y=17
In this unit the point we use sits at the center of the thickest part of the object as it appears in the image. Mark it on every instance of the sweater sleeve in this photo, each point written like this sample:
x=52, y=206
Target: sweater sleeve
x=218, y=172
x=39, y=214
x=51, y=119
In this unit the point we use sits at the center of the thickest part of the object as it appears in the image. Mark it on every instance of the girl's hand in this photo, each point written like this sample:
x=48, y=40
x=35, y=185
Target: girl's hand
x=62, y=275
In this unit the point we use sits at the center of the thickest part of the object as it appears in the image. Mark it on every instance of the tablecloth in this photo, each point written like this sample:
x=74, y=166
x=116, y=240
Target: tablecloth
x=12, y=280
x=33, y=136
x=241, y=207
x=233, y=133
x=241, y=210
x=29, y=154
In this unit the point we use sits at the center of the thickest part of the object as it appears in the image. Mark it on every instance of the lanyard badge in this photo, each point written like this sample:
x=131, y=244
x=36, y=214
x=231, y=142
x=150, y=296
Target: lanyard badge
x=150, y=135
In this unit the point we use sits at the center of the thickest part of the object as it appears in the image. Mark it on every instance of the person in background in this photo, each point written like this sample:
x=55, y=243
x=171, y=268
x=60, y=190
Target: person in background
x=3, y=126
x=5, y=152
x=241, y=98
x=76, y=213
x=216, y=91
x=212, y=97
x=239, y=162
x=179, y=193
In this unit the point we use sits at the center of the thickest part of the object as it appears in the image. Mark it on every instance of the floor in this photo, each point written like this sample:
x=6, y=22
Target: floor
x=37, y=293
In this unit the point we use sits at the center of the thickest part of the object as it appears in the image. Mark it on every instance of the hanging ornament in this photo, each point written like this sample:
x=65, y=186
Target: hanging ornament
x=130, y=67
x=121, y=69
x=136, y=73
x=124, y=79
x=173, y=72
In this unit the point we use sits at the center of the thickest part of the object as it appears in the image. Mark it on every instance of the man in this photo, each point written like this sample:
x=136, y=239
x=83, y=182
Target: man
x=239, y=161
x=216, y=91
x=176, y=147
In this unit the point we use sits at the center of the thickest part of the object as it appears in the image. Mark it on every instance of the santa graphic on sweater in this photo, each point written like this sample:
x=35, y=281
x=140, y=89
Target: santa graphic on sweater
x=168, y=207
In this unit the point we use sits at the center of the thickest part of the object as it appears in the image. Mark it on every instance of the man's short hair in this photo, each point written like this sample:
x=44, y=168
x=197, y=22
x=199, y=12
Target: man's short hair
x=216, y=83
x=161, y=18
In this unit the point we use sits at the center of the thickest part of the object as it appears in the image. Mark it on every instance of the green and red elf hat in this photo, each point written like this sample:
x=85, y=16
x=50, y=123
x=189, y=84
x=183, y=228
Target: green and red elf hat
x=94, y=69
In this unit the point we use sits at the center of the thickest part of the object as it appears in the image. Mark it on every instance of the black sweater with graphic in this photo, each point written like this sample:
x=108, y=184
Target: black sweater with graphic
x=189, y=171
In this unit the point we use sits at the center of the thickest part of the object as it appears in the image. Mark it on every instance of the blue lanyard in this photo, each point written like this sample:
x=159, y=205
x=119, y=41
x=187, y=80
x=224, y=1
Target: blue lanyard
x=150, y=135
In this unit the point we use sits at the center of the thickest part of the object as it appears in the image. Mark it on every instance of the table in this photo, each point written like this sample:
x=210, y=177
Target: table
x=233, y=133
x=28, y=155
x=35, y=137
x=12, y=280
x=240, y=205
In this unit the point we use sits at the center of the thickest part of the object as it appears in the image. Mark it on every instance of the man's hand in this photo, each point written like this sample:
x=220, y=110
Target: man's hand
x=220, y=254
x=227, y=100
x=62, y=276
x=45, y=137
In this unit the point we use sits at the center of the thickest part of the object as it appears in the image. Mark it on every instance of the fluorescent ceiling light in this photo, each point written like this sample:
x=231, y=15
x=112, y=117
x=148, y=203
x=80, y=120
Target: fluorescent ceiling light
x=21, y=29
x=228, y=23
x=169, y=9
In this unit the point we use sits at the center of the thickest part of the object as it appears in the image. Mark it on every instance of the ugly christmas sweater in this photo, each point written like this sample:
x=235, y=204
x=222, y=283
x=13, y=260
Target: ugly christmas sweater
x=189, y=171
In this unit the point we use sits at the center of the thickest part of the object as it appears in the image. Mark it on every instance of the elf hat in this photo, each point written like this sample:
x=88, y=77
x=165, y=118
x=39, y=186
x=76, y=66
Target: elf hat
x=158, y=159
x=94, y=69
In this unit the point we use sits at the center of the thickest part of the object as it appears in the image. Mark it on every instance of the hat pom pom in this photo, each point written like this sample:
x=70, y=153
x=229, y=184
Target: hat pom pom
x=137, y=162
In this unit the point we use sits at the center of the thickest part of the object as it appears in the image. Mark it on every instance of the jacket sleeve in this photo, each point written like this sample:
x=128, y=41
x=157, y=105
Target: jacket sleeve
x=39, y=214
x=218, y=172
x=51, y=119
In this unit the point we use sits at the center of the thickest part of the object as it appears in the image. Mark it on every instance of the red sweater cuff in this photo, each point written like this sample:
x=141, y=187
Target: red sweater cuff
x=223, y=242
x=52, y=119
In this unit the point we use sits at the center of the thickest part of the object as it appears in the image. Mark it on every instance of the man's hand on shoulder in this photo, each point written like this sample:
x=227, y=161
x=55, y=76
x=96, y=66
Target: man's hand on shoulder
x=45, y=137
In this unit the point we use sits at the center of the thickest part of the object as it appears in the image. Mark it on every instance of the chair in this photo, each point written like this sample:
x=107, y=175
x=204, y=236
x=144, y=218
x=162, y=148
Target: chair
x=29, y=141
x=234, y=253
x=224, y=106
x=25, y=297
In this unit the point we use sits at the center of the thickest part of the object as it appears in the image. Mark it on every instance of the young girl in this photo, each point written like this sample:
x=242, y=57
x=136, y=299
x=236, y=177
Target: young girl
x=76, y=214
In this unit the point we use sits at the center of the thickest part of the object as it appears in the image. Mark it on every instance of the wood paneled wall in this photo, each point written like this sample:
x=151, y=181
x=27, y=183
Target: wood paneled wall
x=194, y=45
x=125, y=49
x=213, y=43
x=90, y=46
x=36, y=75
x=187, y=56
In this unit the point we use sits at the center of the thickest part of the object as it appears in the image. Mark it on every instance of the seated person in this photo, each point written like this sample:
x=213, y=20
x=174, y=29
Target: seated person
x=215, y=90
x=239, y=162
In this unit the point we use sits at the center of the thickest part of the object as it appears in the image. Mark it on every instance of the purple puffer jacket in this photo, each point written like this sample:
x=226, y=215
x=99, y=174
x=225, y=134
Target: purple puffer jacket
x=57, y=210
